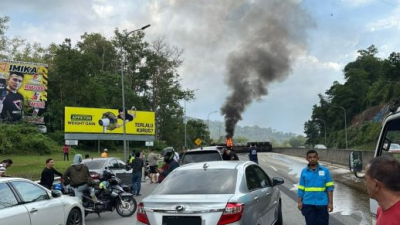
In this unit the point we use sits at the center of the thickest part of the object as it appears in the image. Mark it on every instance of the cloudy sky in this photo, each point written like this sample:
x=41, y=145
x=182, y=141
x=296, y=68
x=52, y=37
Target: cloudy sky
x=285, y=52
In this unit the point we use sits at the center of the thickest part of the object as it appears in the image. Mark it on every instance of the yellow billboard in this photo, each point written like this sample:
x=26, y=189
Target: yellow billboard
x=23, y=91
x=95, y=120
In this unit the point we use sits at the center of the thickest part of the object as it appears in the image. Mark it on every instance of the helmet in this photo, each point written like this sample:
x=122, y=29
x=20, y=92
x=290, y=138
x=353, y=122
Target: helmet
x=168, y=154
x=105, y=185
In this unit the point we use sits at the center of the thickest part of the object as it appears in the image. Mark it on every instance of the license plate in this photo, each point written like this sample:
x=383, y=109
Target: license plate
x=181, y=220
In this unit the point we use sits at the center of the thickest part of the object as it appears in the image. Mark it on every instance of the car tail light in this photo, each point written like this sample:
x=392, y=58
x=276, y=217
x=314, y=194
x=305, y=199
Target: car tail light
x=141, y=214
x=95, y=176
x=233, y=212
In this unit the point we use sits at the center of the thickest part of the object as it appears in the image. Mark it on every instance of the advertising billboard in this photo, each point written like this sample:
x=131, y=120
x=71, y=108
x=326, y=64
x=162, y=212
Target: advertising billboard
x=23, y=91
x=95, y=120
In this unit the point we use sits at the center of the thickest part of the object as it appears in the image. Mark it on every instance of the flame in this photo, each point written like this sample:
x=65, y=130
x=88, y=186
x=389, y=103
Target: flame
x=229, y=142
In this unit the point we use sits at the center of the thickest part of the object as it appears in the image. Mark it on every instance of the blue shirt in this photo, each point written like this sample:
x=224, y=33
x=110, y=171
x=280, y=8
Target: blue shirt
x=314, y=185
x=253, y=154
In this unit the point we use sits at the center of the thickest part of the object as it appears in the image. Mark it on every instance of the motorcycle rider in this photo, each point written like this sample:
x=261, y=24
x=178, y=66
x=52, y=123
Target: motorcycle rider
x=78, y=176
x=170, y=163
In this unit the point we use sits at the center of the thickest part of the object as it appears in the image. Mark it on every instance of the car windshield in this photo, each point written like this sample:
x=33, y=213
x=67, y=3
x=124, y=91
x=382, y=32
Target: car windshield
x=94, y=164
x=199, y=181
x=201, y=156
x=394, y=146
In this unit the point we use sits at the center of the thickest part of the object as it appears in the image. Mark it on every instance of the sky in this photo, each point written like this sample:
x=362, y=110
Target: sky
x=273, y=56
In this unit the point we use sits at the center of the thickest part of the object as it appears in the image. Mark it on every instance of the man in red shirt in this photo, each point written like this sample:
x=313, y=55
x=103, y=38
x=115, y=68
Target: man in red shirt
x=382, y=179
x=66, y=152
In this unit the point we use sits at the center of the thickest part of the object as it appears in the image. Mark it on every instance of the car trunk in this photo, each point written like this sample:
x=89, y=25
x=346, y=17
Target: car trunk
x=185, y=209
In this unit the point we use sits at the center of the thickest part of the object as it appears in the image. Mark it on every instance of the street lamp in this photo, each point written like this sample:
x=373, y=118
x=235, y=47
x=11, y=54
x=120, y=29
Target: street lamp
x=324, y=128
x=208, y=121
x=122, y=83
x=345, y=125
x=186, y=117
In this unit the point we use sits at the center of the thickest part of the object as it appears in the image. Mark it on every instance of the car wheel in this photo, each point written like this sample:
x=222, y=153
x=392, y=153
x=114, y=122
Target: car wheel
x=279, y=221
x=75, y=217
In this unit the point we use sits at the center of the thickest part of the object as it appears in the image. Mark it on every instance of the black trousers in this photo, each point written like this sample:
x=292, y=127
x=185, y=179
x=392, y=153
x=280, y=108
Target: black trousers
x=66, y=156
x=315, y=214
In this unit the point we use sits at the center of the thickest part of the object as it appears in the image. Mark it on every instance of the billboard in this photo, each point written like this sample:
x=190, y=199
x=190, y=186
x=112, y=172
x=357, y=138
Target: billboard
x=23, y=91
x=95, y=120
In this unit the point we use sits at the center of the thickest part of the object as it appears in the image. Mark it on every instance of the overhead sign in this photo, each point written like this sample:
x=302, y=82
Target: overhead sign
x=23, y=89
x=96, y=120
x=71, y=142
x=149, y=143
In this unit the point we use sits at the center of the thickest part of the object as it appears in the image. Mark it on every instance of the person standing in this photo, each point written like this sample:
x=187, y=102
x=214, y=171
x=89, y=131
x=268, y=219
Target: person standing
x=137, y=166
x=143, y=157
x=66, y=152
x=184, y=150
x=78, y=177
x=382, y=179
x=3, y=167
x=315, y=191
x=47, y=177
x=229, y=155
x=104, y=154
x=253, y=153
x=153, y=158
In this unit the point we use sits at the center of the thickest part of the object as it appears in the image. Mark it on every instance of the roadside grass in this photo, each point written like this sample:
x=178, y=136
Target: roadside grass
x=31, y=166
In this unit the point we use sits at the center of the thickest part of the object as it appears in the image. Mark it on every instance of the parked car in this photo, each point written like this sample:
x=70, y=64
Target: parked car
x=320, y=146
x=394, y=148
x=201, y=155
x=24, y=202
x=114, y=165
x=227, y=192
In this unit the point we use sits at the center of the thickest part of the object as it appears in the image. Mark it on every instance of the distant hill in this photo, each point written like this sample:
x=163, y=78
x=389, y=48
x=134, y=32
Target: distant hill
x=253, y=133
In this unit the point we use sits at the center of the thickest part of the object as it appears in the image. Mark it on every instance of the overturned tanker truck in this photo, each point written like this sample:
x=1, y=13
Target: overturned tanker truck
x=263, y=146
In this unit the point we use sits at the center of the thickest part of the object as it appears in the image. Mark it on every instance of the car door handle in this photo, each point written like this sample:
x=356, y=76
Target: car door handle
x=256, y=198
x=33, y=210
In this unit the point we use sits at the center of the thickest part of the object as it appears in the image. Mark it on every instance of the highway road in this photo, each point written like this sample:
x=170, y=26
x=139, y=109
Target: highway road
x=351, y=203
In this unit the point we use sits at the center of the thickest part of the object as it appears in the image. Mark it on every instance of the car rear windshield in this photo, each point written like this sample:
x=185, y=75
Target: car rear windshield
x=199, y=181
x=94, y=164
x=201, y=156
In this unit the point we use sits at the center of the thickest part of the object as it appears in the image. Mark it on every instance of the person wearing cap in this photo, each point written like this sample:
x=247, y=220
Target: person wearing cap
x=104, y=154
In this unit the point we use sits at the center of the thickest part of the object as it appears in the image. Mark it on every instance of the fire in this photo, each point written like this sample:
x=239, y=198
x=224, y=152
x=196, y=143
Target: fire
x=229, y=142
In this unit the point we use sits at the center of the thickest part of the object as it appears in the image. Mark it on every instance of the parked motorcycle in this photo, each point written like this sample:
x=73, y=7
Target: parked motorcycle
x=111, y=196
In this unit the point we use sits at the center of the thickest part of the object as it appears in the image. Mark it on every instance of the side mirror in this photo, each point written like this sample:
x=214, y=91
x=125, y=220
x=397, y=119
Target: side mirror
x=356, y=163
x=386, y=144
x=56, y=193
x=277, y=181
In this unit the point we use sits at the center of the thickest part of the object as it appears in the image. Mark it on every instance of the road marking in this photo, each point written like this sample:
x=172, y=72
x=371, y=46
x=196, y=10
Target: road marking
x=274, y=168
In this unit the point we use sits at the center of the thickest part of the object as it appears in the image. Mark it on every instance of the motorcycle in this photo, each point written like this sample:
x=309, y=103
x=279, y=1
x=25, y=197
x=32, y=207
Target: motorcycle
x=111, y=196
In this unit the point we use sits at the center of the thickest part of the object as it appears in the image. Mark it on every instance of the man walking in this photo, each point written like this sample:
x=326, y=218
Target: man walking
x=153, y=158
x=253, y=153
x=382, y=179
x=315, y=191
x=137, y=166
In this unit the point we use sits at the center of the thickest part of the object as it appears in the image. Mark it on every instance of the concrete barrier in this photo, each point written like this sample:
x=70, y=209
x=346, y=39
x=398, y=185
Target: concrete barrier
x=335, y=156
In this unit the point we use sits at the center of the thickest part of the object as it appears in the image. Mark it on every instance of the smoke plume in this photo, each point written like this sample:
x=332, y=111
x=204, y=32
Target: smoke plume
x=274, y=35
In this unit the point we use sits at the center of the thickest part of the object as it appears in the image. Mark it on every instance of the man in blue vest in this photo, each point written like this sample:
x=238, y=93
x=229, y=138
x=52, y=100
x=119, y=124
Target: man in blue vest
x=315, y=191
x=253, y=153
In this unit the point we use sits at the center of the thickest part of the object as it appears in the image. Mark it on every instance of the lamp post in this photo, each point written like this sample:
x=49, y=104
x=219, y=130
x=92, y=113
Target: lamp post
x=345, y=125
x=122, y=84
x=186, y=117
x=208, y=120
x=324, y=128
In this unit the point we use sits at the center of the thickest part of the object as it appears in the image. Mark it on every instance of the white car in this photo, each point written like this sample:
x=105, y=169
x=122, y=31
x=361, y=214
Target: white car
x=23, y=202
x=320, y=146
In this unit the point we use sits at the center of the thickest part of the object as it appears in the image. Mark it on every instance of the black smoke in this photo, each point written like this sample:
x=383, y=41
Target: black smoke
x=274, y=34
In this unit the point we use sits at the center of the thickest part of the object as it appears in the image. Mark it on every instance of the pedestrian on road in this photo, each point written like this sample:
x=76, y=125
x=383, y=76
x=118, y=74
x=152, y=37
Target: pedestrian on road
x=137, y=166
x=104, y=154
x=382, y=179
x=315, y=191
x=47, y=177
x=228, y=154
x=3, y=167
x=153, y=158
x=253, y=153
x=66, y=152
x=143, y=157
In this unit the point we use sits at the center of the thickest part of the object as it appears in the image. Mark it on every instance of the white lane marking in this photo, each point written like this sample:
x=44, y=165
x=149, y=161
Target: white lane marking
x=274, y=168
x=263, y=160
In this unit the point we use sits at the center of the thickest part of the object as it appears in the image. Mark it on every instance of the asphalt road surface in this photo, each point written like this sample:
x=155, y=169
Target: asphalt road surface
x=351, y=203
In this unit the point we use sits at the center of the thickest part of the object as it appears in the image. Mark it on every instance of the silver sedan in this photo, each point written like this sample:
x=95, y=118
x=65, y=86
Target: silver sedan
x=210, y=193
